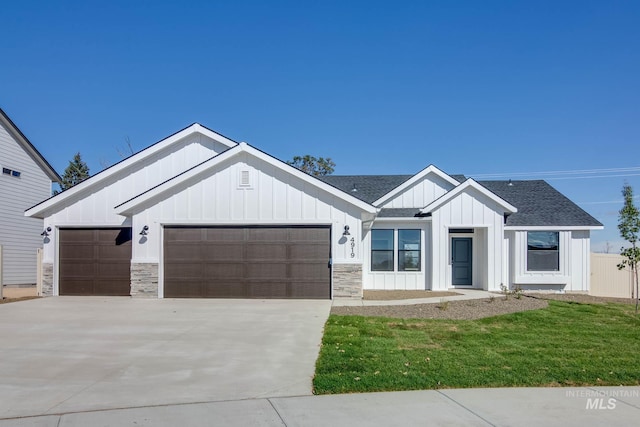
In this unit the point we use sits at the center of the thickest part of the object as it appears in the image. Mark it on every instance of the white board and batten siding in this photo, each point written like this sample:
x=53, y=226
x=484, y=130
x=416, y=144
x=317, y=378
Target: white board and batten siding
x=573, y=274
x=96, y=209
x=20, y=235
x=421, y=193
x=469, y=209
x=273, y=197
x=418, y=195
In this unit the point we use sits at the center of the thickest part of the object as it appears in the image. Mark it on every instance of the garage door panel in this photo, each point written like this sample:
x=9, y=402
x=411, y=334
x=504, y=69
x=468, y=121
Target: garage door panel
x=78, y=287
x=224, y=271
x=189, y=288
x=77, y=235
x=181, y=251
x=267, y=234
x=303, y=252
x=267, y=289
x=113, y=270
x=75, y=270
x=266, y=251
x=182, y=234
x=108, y=287
x=184, y=270
x=95, y=261
x=224, y=234
x=307, y=289
x=77, y=251
x=249, y=262
x=222, y=252
x=309, y=234
x=110, y=252
x=224, y=289
x=265, y=271
x=309, y=271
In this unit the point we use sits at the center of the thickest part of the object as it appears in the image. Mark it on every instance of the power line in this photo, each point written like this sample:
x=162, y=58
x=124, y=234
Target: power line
x=568, y=174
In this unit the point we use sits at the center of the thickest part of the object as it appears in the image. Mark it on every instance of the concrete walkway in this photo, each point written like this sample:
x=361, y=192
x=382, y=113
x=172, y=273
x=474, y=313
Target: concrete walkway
x=465, y=294
x=606, y=406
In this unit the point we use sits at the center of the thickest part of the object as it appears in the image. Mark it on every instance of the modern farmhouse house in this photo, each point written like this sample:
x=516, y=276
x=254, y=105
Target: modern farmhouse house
x=26, y=179
x=199, y=215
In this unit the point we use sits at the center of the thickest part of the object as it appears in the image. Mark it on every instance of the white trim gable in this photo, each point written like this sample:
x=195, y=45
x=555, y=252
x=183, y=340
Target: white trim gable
x=119, y=168
x=138, y=202
x=469, y=183
x=431, y=169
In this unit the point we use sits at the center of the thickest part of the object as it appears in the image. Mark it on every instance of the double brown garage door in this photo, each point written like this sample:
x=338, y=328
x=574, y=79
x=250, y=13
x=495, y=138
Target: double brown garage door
x=247, y=262
x=95, y=261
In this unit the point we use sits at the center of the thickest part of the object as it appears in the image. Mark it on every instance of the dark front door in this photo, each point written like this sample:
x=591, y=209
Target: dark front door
x=461, y=261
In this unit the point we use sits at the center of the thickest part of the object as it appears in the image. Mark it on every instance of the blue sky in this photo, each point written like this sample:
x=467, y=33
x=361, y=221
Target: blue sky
x=382, y=87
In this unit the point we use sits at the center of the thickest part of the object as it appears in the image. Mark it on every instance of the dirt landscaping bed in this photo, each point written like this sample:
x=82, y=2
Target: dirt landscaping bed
x=396, y=295
x=459, y=310
x=582, y=298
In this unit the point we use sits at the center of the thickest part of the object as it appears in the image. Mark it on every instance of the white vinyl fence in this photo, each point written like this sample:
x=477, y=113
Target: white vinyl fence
x=606, y=279
x=1, y=280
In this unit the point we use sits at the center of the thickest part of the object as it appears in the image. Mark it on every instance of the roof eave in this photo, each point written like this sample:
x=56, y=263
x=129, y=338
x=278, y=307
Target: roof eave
x=552, y=227
x=130, y=206
x=31, y=149
x=38, y=210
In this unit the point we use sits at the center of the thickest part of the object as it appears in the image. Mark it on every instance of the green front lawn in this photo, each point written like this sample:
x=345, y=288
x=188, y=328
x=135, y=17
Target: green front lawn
x=566, y=344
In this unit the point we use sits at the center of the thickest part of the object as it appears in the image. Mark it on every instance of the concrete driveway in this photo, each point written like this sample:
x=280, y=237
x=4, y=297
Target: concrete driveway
x=70, y=354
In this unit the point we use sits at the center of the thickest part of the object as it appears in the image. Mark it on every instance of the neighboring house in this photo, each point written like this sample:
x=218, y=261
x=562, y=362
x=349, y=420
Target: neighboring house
x=199, y=215
x=26, y=179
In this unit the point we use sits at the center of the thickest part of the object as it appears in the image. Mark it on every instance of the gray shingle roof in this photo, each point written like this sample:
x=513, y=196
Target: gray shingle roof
x=539, y=204
x=398, y=212
x=369, y=187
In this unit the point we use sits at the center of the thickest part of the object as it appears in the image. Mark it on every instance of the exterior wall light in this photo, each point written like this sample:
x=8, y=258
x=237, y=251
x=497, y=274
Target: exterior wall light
x=145, y=230
x=46, y=232
x=346, y=231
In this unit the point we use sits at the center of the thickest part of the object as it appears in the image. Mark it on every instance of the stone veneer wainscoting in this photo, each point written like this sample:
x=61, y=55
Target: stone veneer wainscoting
x=144, y=280
x=47, y=279
x=347, y=281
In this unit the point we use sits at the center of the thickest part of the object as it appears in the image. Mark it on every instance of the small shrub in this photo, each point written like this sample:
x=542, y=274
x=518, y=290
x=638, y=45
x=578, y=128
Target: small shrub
x=518, y=292
x=444, y=305
x=505, y=290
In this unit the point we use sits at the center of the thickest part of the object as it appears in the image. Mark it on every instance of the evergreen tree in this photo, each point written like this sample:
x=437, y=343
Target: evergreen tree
x=75, y=173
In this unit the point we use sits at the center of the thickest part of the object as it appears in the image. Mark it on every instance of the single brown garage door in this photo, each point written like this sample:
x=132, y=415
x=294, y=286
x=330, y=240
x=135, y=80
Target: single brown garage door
x=95, y=261
x=247, y=262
